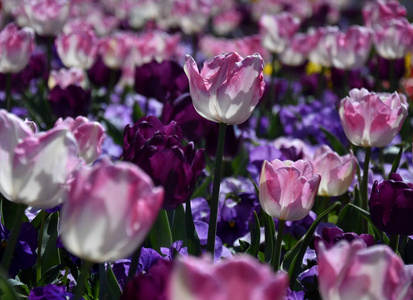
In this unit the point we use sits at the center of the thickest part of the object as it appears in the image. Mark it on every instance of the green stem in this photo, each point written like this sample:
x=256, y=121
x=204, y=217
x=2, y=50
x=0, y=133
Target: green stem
x=272, y=82
x=212, y=229
x=394, y=242
x=11, y=244
x=134, y=263
x=8, y=91
x=278, y=245
x=81, y=282
x=39, y=248
x=103, y=282
x=363, y=185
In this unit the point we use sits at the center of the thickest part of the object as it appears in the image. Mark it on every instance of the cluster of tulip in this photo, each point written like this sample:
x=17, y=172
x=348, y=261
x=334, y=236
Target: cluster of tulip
x=280, y=169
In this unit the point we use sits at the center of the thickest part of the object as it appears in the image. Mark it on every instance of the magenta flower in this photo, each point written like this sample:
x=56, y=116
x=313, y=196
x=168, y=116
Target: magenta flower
x=391, y=205
x=287, y=189
x=16, y=46
x=352, y=271
x=108, y=211
x=370, y=119
x=378, y=12
x=228, y=87
x=241, y=278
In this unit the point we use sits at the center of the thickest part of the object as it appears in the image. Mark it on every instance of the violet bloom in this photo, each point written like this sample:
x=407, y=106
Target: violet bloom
x=99, y=74
x=158, y=150
x=177, y=248
x=25, y=253
x=391, y=205
x=257, y=156
x=49, y=292
x=164, y=81
x=69, y=102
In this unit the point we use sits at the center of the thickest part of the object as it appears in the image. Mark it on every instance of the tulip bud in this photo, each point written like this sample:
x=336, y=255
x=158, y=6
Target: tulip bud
x=337, y=172
x=15, y=48
x=287, y=189
x=228, y=88
x=370, y=119
x=109, y=209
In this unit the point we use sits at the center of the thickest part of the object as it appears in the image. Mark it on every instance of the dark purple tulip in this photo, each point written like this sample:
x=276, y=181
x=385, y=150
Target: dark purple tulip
x=25, y=252
x=158, y=150
x=72, y=101
x=355, y=79
x=50, y=292
x=391, y=205
x=331, y=235
x=182, y=111
x=99, y=74
x=151, y=285
x=163, y=81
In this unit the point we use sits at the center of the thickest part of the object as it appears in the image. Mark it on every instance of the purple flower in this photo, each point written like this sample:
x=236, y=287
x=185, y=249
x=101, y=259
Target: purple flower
x=299, y=228
x=176, y=248
x=72, y=101
x=25, y=253
x=391, y=205
x=158, y=150
x=163, y=81
x=99, y=74
x=50, y=292
x=258, y=155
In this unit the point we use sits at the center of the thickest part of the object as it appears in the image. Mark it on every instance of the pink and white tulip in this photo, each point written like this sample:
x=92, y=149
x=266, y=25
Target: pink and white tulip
x=351, y=48
x=16, y=45
x=370, y=119
x=394, y=38
x=89, y=136
x=240, y=277
x=378, y=12
x=296, y=53
x=287, y=189
x=77, y=49
x=352, y=271
x=228, y=87
x=322, y=52
x=114, y=50
x=35, y=167
x=277, y=31
x=337, y=172
x=108, y=211
x=66, y=77
x=47, y=17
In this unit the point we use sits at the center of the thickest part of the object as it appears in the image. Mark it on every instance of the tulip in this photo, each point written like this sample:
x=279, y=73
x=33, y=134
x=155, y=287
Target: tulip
x=287, y=189
x=297, y=51
x=277, y=31
x=228, y=87
x=109, y=209
x=47, y=17
x=337, y=172
x=394, y=38
x=352, y=271
x=241, y=278
x=77, y=48
x=378, y=12
x=370, y=119
x=66, y=77
x=89, y=136
x=322, y=53
x=113, y=50
x=158, y=150
x=15, y=48
x=35, y=167
x=391, y=205
x=351, y=48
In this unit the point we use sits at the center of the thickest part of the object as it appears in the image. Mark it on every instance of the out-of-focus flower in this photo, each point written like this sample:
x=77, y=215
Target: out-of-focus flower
x=226, y=21
x=35, y=167
x=351, y=271
x=337, y=172
x=25, y=253
x=47, y=17
x=16, y=46
x=158, y=150
x=391, y=205
x=370, y=119
x=71, y=101
x=190, y=15
x=351, y=48
x=99, y=74
x=277, y=31
x=67, y=77
x=228, y=87
x=50, y=291
x=378, y=12
x=113, y=50
x=257, y=156
x=89, y=136
x=297, y=51
x=240, y=277
x=77, y=48
x=287, y=189
x=393, y=39
x=322, y=53
x=95, y=227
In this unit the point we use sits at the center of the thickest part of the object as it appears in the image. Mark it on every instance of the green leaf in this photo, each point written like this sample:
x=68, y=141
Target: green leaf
x=160, y=234
x=51, y=275
x=296, y=264
x=349, y=221
x=9, y=210
x=396, y=162
x=201, y=190
x=114, y=132
x=269, y=235
x=137, y=112
x=50, y=253
x=255, y=237
x=194, y=245
x=335, y=143
x=178, y=226
x=112, y=283
x=6, y=290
